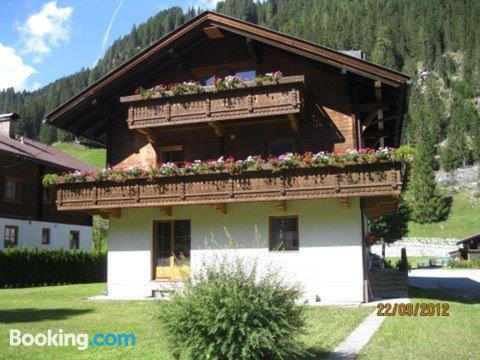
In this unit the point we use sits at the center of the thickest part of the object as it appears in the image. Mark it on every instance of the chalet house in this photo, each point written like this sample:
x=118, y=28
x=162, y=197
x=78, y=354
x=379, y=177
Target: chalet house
x=177, y=193
x=28, y=214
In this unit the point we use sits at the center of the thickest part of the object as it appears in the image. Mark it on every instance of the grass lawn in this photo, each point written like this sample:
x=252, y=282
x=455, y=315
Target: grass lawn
x=452, y=337
x=96, y=157
x=462, y=222
x=36, y=310
x=412, y=260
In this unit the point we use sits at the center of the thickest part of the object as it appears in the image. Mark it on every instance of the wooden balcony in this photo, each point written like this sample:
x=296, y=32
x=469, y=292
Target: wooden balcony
x=250, y=100
x=368, y=180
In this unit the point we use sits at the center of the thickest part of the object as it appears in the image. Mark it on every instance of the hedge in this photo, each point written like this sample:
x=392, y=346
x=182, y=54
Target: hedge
x=22, y=267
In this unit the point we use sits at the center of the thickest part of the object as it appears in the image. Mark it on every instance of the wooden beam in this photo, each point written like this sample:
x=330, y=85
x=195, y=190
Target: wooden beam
x=213, y=32
x=281, y=205
x=149, y=134
x=372, y=107
x=100, y=131
x=178, y=59
x=357, y=124
x=221, y=208
x=253, y=50
x=294, y=123
x=166, y=210
x=368, y=120
x=115, y=212
x=345, y=203
x=378, y=96
x=105, y=108
x=389, y=118
x=104, y=213
x=217, y=128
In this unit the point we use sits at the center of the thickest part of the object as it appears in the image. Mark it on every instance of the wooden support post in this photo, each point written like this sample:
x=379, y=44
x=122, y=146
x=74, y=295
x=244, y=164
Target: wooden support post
x=281, y=205
x=221, y=208
x=378, y=95
x=252, y=49
x=372, y=107
x=345, y=203
x=166, y=210
x=217, y=128
x=179, y=60
x=293, y=122
x=105, y=213
x=115, y=212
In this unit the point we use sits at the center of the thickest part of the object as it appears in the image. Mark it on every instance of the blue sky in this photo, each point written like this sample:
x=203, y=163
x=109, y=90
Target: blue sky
x=42, y=40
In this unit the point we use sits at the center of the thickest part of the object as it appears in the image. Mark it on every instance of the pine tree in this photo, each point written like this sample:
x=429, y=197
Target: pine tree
x=392, y=227
x=426, y=203
x=457, y=153
x=384, y=51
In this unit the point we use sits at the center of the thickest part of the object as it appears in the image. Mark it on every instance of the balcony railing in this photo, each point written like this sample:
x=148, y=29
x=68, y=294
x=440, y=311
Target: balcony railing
x=250, y=100
x=366, y=180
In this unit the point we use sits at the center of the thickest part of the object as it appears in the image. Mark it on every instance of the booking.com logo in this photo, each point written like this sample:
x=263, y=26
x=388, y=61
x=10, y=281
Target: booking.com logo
x=81, y=341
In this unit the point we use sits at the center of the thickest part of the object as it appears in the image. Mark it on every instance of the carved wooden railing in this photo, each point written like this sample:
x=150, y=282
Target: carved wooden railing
x=249, y=100
x=351, y=181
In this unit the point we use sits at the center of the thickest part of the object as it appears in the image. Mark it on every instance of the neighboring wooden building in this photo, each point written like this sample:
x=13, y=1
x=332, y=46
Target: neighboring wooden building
x=28, y=214
x=325, y=101
x=469, y=248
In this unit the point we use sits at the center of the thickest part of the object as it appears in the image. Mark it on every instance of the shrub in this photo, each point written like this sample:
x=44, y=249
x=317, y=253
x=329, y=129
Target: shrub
x=228, y=312
x=21, y=267
x=466, y=264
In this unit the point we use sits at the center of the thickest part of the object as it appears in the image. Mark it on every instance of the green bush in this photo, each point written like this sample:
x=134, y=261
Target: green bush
x=21, y=267
x=229, y=312
x=467, y=264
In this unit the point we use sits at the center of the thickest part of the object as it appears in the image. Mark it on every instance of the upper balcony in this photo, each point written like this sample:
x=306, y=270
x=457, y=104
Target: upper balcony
x=250, y=100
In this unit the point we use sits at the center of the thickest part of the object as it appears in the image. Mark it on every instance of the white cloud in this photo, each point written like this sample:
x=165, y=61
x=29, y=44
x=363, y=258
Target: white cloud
x=206, y=4
x=13, y=71
x=45, y=30
x=107, y=32
x=35, y=86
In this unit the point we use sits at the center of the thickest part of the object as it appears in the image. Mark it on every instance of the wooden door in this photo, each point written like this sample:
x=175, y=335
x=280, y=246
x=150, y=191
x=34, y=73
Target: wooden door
x=171, y=249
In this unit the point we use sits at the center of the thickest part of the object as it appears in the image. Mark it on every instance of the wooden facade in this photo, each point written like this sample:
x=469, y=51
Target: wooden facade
x=325, y=101
x=34, y=201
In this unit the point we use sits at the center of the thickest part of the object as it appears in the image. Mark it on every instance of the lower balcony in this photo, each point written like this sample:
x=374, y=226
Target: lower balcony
x=368, y=181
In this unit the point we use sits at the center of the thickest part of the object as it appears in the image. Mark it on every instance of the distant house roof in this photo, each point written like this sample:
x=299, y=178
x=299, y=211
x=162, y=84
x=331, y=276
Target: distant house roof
x=473, y=238
x=9, y=116
x=38, y=152
x=355, y=53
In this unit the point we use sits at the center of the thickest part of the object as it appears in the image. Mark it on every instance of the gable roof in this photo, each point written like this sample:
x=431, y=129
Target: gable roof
x=35, y=151
x=83, y=100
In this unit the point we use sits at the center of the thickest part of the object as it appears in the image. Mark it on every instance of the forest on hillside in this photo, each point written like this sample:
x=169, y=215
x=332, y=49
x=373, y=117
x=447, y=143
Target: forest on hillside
x=437, y=42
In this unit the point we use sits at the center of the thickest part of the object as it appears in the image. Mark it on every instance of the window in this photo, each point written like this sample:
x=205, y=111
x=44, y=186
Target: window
x=247, y=75
x=171, y=243
x=172, y=154
x=284, y=233
x=45, y=236
x=281, y=146
x=12, y=189
x=74, y=239
x=11, y=236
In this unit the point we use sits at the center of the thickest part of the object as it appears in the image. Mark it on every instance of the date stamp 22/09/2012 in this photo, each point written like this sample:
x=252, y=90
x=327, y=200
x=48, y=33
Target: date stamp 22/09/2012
x=409, y=309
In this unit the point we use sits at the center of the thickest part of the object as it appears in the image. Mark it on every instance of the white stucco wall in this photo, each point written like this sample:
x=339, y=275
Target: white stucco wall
x=30, y=234
x=328, y=264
